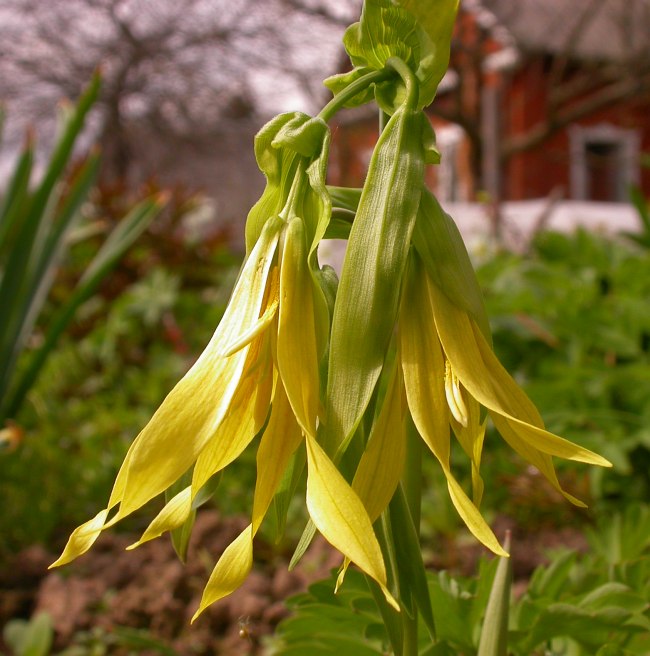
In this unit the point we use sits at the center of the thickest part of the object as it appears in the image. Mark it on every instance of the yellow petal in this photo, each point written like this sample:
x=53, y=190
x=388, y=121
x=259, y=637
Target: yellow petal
x=296, y=347
x=233, y=435
x=471, y=516
x=175, y=512
x=281, y=438
x=340, y=516
x=230, y=571
x=271, y=306
x=423, y=365
x=490, y=384
x=192, y=412
x=535, y=457
x=382, y=462
x=471, y=439
x=82, y=539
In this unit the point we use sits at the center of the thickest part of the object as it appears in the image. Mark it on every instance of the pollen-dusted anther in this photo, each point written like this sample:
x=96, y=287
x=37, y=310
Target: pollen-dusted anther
x=454, y=396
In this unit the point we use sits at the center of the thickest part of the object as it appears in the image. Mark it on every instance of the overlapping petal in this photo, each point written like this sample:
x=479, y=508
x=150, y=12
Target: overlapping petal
x=423, y=364
x=490, y=384
x=281, y=438
x=340, y=516
x=194, y=411
x=296, y=346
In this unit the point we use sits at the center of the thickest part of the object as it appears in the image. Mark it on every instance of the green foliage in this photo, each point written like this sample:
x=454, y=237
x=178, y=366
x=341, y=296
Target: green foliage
x=642, y=207
x=597, y=603
x=35, y=228
x=34, y=637
x=99, y=387
x=578, y=605
x=419, y=35
x=29, y=638
x=98, y=642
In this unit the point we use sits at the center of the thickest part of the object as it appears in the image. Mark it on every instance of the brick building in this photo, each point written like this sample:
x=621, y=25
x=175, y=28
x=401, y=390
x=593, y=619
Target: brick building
x=542, y=98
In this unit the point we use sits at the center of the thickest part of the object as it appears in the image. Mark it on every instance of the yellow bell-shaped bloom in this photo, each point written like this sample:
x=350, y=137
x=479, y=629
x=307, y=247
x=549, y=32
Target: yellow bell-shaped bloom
x=261, y=363
x=450, y=371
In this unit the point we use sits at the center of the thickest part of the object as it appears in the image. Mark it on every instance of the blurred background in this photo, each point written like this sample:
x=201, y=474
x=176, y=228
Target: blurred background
x=121, y=234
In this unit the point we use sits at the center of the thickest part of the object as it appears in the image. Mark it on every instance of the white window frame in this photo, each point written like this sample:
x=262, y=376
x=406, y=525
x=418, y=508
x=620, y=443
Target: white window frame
x=605, y=133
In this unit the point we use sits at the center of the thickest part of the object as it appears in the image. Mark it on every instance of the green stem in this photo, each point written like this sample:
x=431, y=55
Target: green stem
x=412, y=479
x=410, y=629
x=412, y=486
x=407, y=77
x=354, y=89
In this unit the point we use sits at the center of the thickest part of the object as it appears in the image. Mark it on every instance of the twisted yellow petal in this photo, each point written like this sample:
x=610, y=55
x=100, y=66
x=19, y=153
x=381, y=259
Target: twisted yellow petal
x=423, y=364
x=296, y=348
x=230, y=572
x=281, y=438
x=340, y=516
x=174, y=513
x=82, y=538
x=193, y=411
x=513, y=413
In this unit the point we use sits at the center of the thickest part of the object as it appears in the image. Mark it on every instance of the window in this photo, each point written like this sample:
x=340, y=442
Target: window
x=604, y=162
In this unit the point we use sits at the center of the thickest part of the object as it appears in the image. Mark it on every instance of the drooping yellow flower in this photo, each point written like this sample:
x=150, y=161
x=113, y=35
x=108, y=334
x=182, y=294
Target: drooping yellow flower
x=450, y=371
x=261, y=363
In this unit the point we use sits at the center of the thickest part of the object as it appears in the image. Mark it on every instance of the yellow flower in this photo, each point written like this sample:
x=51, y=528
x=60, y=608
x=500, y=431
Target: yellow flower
x=261, y=363
x=450, y=371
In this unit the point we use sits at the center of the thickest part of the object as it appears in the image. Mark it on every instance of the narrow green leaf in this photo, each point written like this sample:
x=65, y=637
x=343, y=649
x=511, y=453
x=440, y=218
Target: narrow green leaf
x=410, y=566
x=14, y=198
x=369, y=288
x=181, y=535
x=111, y=251
x=286, y=490
x=306, y=538
x=15, y=287
x=49, y=251
x=494, y=637
x=440, y=245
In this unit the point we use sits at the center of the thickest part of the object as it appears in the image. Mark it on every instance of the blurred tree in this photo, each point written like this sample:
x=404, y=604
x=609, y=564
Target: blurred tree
x=183, y=71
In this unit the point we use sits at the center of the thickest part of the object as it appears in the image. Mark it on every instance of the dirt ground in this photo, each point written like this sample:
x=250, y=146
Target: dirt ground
x=149, y=588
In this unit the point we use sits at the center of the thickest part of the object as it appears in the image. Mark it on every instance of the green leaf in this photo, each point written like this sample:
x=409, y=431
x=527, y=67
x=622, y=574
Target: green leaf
x=117, y=243
x=613, y=594
x=410, y=566
x=285, y=493
x=440, y=245
x=494, y=637
x=337, y=83
x=279, y=167
x=308, y=534
x=369, y=287
x=14, y=201
x=549, y=582
x=435, y=20
x=590, y=629
x=140, y=639
x=383, y=31
x=33, y=638
x=28, y=223
x=451, y=607
x=419, y=33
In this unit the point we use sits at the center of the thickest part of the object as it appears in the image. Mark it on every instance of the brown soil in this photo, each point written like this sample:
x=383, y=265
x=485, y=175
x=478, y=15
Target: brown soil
x=148, y=588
